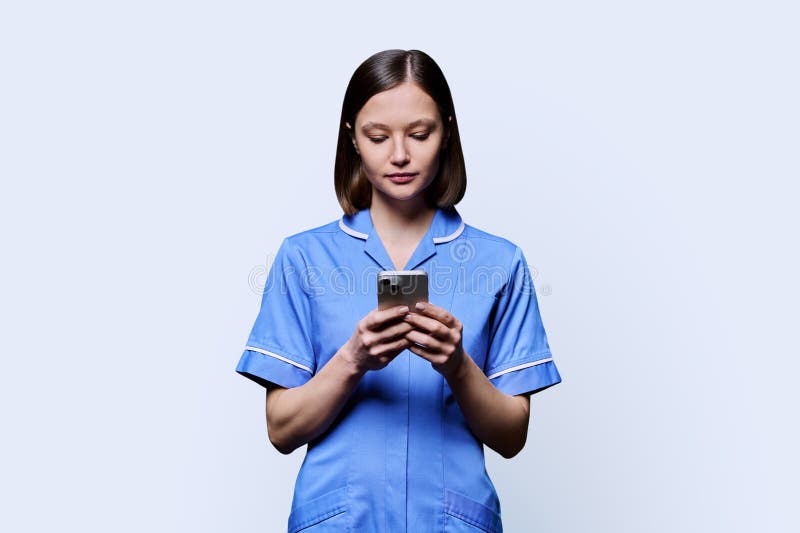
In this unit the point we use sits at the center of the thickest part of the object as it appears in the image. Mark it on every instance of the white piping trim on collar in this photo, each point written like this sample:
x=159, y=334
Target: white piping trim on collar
x=520, y=367
x=276, y=356
x=447, y=238
x=436, y=240
x=351, y=231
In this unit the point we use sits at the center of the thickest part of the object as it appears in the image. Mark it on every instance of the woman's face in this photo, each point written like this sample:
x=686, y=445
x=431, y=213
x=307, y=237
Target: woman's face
x=399, y=131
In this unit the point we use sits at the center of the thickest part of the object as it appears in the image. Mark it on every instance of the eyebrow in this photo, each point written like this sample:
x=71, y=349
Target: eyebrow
x=419, y=122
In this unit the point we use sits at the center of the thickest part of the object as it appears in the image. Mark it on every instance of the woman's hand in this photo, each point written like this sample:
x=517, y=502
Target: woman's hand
x=297, y=415
x=378, y=338
x=440, y=333
x=498, y=420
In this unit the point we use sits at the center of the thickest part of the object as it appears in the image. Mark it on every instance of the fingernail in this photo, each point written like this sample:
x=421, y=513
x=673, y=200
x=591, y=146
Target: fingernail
x=420, y=305
x=404, y=309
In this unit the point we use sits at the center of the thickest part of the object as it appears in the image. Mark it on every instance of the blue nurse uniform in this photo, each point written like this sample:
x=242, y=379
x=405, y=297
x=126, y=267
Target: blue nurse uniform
x=400, y=456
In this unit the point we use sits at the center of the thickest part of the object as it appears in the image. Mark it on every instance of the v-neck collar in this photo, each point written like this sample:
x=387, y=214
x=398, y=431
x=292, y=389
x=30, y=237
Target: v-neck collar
x=445, y=226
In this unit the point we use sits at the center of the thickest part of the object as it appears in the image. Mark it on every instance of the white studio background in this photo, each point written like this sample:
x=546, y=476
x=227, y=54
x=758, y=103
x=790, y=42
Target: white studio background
x=643, y=154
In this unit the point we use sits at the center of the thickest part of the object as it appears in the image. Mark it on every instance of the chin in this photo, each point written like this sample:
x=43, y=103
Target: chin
x=399, y=192
x=402, y=195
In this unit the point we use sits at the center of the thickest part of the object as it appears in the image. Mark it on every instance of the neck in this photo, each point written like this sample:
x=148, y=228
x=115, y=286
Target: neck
x=398, y=219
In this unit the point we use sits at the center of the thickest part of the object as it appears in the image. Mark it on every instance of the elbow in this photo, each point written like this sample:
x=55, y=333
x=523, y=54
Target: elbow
x=515, y=444
x=508, y=447
x=285, y=450
x=511, y=451
x=278, y=437
x=280, y=444
x=278, y=430
x=508, y=454
x=516, y=439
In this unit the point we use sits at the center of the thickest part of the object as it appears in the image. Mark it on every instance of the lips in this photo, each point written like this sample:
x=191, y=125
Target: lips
x=401, y=177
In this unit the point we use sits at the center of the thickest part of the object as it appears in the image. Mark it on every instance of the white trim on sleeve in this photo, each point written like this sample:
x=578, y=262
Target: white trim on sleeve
x=520, y=367
x=276, y=356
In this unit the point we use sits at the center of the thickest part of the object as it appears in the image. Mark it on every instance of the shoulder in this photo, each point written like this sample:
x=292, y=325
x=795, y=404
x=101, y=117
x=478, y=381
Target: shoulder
x=304, y=243
x=502, y=250
x=502, y=255
x=313, y=234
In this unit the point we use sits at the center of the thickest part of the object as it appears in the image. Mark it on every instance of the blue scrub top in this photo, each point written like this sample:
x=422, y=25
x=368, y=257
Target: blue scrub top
x=400, y=456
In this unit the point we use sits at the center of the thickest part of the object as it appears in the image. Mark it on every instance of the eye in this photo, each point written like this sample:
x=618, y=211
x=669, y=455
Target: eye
x=421, y=136
x=377, y=140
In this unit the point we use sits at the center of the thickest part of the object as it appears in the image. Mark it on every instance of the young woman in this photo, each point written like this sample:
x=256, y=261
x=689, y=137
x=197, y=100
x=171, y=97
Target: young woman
x=396, y=405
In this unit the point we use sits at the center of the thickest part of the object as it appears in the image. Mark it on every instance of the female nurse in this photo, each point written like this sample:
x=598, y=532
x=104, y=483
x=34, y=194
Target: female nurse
x=396, y=405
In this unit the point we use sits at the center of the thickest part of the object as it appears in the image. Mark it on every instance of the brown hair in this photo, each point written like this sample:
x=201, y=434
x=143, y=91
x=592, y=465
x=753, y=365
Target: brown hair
x=380, y=72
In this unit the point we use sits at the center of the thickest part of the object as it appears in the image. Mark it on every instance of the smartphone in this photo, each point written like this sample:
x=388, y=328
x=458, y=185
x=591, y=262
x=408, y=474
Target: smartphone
x=402, y=287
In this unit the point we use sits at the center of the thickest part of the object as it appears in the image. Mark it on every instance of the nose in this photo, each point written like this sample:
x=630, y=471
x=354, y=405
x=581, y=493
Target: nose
x=400, y=153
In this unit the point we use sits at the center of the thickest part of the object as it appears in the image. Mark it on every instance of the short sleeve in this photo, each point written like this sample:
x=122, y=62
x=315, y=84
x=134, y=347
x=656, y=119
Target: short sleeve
x=519, y=359
x=279, y=349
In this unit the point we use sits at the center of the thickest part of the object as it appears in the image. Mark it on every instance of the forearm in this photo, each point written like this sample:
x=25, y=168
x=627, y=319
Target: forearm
x=498, y=420
x=299, y=414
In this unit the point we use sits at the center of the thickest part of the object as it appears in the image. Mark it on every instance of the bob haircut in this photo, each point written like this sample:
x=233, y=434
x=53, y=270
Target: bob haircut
x=380, y=72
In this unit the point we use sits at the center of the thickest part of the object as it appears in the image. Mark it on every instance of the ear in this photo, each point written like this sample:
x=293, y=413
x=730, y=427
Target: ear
x=447, y=130
x=352, y=136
